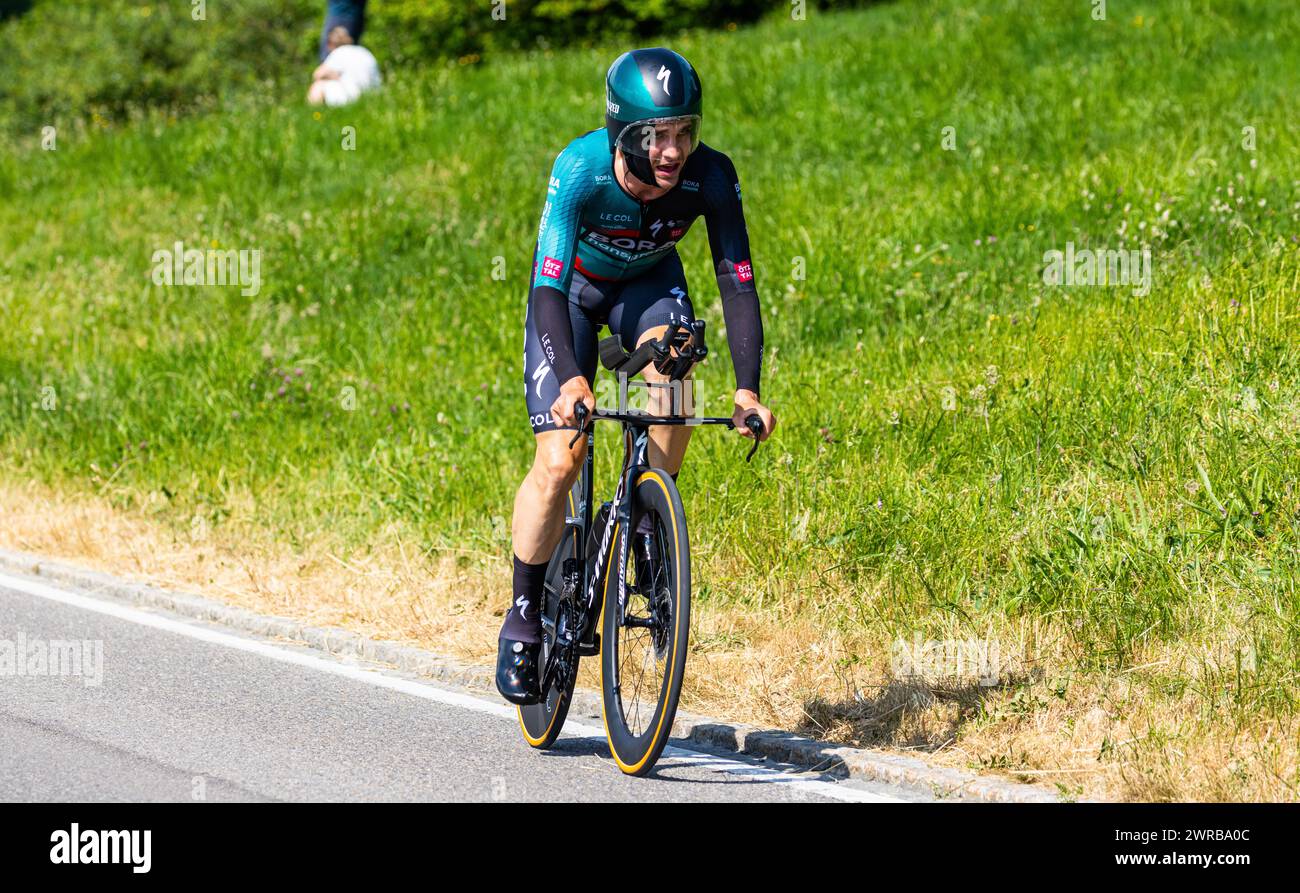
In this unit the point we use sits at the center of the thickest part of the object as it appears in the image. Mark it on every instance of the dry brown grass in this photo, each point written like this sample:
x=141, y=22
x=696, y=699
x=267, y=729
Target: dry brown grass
x=786, y=666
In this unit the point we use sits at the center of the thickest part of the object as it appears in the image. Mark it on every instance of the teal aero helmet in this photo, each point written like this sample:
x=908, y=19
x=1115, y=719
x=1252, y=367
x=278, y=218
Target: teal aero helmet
x=644, y=88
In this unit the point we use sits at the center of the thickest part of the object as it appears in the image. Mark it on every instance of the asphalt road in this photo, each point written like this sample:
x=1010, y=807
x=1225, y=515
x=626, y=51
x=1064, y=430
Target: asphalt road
x=162, y=708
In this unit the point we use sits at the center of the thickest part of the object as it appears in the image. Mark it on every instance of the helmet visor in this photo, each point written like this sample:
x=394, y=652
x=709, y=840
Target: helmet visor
x=654, y=137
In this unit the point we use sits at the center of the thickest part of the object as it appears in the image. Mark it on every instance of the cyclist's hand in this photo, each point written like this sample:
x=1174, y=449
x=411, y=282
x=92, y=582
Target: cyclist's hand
x=746, y=405
x=572, y=392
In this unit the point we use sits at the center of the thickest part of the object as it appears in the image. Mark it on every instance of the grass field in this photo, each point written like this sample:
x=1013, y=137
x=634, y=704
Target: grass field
x=1101, y=485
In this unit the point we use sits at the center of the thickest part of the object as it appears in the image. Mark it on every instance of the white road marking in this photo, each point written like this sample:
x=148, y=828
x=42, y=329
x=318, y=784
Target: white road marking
x=672, y=756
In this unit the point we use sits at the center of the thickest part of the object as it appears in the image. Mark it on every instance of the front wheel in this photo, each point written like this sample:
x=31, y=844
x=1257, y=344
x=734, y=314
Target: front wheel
x=646, y=626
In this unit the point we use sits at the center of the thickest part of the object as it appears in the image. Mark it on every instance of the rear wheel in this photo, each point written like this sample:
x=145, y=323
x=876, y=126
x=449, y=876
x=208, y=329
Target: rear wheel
x=646, y=627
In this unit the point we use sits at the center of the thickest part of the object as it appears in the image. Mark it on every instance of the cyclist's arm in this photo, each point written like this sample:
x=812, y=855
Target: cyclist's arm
x=729, y=241
x=551, y=314
x=557, y=240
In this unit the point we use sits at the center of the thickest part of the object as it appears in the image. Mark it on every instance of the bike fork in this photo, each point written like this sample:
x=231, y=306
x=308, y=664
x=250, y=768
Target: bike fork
x=636, y=461
x=588, y=637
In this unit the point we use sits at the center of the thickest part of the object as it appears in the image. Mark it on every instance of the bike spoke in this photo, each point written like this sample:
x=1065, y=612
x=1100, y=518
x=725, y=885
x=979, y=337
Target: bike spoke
x=635, y=637
x=632, y=710
x=640, y=637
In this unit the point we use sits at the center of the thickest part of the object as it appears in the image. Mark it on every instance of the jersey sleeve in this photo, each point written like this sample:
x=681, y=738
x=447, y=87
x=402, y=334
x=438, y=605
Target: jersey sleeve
x=568, y=189
x=729, y=242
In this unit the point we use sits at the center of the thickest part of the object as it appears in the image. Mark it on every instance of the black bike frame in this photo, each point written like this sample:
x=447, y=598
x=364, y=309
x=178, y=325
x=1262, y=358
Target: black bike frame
x=636, y=437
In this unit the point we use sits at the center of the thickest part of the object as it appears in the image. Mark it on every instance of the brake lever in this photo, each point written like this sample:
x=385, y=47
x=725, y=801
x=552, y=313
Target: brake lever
x=755, y=425
x=581, y=412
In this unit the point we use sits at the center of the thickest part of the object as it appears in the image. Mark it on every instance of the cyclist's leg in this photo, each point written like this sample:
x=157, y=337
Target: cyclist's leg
x=539, y=508
x=538, y=520
x=644, y=309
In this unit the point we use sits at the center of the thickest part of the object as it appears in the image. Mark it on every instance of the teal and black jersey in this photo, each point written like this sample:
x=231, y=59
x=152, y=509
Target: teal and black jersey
x=590, y=223
x=592, y=226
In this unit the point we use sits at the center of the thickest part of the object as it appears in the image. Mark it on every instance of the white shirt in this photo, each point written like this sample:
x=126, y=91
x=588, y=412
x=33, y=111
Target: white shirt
x=356, y=66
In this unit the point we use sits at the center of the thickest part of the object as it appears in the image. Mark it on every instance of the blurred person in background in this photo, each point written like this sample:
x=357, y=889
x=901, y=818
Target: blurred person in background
x=347, y=72
x=349, y=14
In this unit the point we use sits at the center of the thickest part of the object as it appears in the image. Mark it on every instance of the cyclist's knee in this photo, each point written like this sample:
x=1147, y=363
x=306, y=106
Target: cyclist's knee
x=654, y=333
x=556, y=465
x=669, y=398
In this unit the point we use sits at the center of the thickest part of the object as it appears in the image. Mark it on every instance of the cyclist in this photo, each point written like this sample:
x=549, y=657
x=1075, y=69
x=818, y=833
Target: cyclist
x=618, y=201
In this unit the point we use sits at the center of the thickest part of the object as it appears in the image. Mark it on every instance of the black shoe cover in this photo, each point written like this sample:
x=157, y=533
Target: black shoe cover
x=517, y=671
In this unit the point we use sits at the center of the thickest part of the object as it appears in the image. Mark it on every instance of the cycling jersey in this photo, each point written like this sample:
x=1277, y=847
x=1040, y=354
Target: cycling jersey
x=592, y=226
x=630, y=308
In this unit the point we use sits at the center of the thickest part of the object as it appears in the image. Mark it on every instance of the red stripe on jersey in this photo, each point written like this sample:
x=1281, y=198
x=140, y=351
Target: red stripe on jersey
x=577, y=265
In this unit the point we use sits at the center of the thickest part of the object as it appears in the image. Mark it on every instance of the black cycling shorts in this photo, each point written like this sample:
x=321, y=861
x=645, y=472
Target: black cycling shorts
x=629, y=308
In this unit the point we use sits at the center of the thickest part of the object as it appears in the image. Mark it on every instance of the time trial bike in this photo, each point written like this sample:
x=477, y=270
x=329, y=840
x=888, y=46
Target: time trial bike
x=619, y=585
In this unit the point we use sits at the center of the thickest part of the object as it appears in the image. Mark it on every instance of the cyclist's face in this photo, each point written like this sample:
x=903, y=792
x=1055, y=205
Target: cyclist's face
x=668, y=149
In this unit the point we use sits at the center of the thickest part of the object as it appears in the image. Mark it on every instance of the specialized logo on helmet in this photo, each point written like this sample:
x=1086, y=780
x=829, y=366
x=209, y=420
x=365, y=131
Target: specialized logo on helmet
x=551, y=268
x=744, y=272
x=663, y=75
